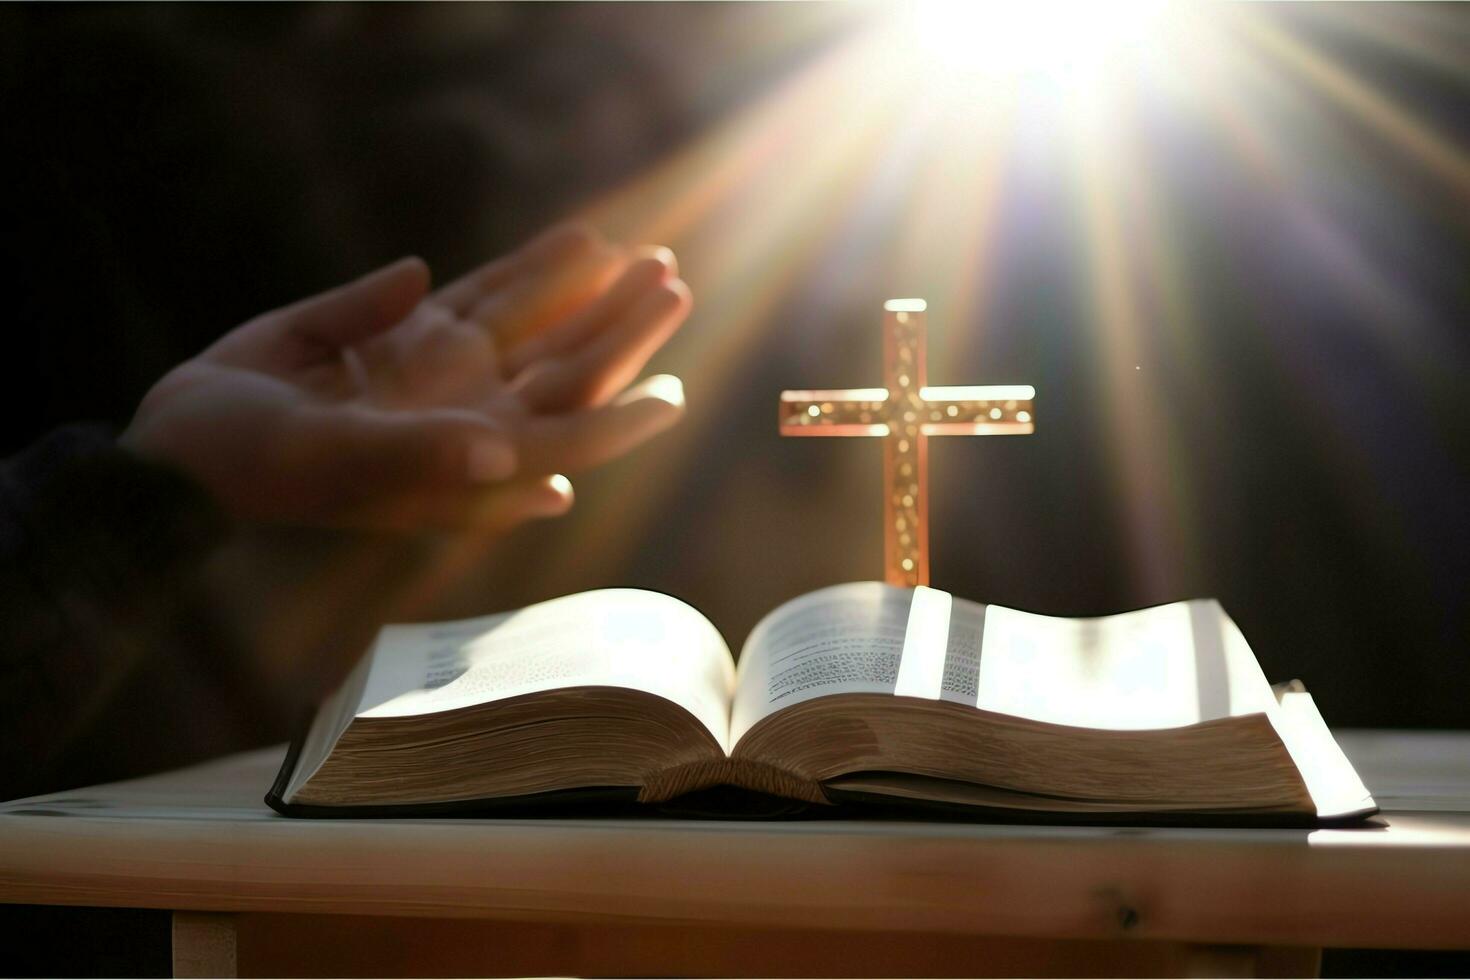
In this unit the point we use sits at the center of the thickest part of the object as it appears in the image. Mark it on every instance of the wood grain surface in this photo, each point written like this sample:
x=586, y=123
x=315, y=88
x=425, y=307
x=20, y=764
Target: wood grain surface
x=201, y=840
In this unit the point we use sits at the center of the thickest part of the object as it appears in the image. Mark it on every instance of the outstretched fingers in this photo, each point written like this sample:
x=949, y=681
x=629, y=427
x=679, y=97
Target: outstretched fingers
x=361, y=309
x=608, y=362
x=440, y=469
x=535, y=303
x=354, y=460
x=488, y=510
x=318, y=327
x=652, y=268
x=498, y=509
x=560, y=244
x=574, y=441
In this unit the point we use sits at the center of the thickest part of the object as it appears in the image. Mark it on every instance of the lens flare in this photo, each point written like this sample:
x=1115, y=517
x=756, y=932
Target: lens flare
x=968, y=44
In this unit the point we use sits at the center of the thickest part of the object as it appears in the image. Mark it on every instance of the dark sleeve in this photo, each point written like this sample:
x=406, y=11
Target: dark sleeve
x=97, y=552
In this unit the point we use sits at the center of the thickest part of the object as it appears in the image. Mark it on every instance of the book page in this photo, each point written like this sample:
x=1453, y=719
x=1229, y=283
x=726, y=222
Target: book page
x=859, y=638
x=1335, y=786
x=612, y=637
x=1163, y=667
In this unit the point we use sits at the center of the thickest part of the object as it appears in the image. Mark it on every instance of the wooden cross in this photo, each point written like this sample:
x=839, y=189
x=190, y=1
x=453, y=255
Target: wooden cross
x=905, y=414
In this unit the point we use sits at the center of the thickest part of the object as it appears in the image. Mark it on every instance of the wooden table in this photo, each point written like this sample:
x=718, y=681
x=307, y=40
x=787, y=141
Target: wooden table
x=261, y=894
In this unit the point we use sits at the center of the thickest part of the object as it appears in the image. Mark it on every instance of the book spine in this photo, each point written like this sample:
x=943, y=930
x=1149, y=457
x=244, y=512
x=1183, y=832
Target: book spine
x=744, y=773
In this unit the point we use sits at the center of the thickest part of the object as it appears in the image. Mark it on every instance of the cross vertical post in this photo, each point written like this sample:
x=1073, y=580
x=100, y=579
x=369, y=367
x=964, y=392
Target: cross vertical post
x=905, y=413
x=906, y=451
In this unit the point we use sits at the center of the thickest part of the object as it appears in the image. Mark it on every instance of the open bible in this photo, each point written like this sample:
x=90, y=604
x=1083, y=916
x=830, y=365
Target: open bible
x=857, y=695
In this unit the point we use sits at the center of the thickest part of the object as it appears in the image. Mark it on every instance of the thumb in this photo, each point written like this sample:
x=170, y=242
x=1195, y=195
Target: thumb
x=359, y=460
x=356, y=311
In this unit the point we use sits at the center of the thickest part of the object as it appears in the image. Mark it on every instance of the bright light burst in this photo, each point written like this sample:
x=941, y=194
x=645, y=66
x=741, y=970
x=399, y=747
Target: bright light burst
x=1068, y=42
x=890, y=164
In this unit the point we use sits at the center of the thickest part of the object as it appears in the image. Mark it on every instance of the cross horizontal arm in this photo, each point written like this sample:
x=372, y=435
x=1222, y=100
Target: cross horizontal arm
x=977, y=410
x=839, y=412
x=963, y=410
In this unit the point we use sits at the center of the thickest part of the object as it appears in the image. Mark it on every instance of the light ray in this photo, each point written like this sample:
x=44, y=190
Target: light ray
x=878, y=169
x=1136, y=426
x=1399, y=323
x=1375, y=109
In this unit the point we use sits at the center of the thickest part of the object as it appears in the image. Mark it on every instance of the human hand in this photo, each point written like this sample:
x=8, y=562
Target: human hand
x=378, y=404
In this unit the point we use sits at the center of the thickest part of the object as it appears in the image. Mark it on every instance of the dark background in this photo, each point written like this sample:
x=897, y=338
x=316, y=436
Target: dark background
x=171, y=171
x=175, y=170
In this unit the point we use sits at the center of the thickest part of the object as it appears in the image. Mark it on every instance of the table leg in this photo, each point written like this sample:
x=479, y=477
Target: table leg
x=1252, y=961
x=204, y=944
